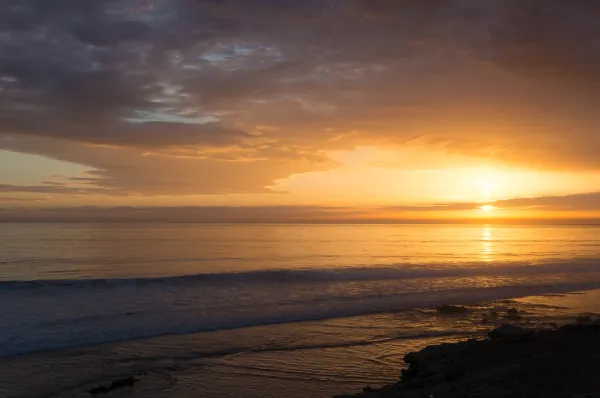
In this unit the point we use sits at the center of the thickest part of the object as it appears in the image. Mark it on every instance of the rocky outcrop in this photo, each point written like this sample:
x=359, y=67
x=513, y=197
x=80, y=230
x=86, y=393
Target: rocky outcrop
x=584, y=319
x=513, y=314
x=511, y=333
x=451, y=309
x=513, y=362
x=115, y=385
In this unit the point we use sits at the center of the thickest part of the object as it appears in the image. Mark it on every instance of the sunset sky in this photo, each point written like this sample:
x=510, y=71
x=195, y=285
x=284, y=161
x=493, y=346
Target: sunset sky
x=288, y=110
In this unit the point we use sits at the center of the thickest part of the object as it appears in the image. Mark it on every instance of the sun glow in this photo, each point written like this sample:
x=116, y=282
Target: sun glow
x=487, y=187
x=487, y=208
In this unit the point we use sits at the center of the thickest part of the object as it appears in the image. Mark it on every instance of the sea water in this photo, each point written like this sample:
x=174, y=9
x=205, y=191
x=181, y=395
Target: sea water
x=296, y=299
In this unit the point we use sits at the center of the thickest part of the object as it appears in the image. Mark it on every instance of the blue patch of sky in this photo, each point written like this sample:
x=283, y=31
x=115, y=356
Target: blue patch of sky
x=242, y=49
x=215, y=57
x=149, y=117
x=228, y=53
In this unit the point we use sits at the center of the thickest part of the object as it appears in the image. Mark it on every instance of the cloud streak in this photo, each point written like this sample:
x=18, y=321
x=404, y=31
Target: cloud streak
x=300, y=214
x=584, y=202
x=19, y=200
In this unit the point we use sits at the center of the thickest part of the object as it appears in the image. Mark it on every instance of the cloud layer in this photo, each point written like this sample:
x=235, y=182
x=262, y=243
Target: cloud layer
x=465, y=212
x=227, y=96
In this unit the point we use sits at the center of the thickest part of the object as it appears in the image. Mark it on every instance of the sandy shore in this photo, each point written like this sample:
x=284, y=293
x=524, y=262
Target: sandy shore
x=511, y=362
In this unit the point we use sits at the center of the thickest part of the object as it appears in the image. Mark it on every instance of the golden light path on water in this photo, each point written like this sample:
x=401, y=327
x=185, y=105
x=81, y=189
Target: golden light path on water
x=486, y=242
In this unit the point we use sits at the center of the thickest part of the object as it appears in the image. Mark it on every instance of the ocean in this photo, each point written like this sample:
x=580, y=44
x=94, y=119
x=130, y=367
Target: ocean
x=241, y=308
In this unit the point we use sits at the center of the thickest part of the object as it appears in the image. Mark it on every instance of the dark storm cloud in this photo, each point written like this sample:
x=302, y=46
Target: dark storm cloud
x=550, y=38
x=232, y=87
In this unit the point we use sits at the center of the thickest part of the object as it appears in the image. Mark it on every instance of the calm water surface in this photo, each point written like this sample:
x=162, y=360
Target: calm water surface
x=88, y=251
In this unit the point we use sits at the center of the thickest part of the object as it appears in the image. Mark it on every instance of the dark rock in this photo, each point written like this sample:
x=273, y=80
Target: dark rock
x=569, y=327
x=545, y=332
x=510, y=333
x=513, y=314
x=454, y=374
x=593, y=326
x=584, y=319
x=513, y=317
x=411, y=358
x=451, y=309
x=412, y=371
x=99, y=390
x=128, y=382
x=368, y=389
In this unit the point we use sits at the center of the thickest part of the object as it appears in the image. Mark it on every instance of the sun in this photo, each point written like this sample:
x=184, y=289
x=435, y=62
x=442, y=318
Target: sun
x=487, y=208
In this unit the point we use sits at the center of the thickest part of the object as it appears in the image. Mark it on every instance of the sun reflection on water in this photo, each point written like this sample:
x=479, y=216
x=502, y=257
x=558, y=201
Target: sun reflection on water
x=487, y=249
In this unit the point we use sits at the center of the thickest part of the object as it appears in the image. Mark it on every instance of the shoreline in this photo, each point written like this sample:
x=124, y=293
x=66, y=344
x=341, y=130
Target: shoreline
x=301, y=360
x=511, y=362
x=462, y=296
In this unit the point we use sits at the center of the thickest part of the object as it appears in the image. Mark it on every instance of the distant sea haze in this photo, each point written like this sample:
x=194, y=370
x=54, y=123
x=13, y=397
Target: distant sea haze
x=445, y=213
x=64, y=285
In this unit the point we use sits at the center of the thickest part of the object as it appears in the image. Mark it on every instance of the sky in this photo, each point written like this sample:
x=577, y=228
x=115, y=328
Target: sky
x=313, y=110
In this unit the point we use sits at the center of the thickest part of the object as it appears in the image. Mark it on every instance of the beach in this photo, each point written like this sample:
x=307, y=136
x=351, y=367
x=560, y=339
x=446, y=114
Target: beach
x=271, y=361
